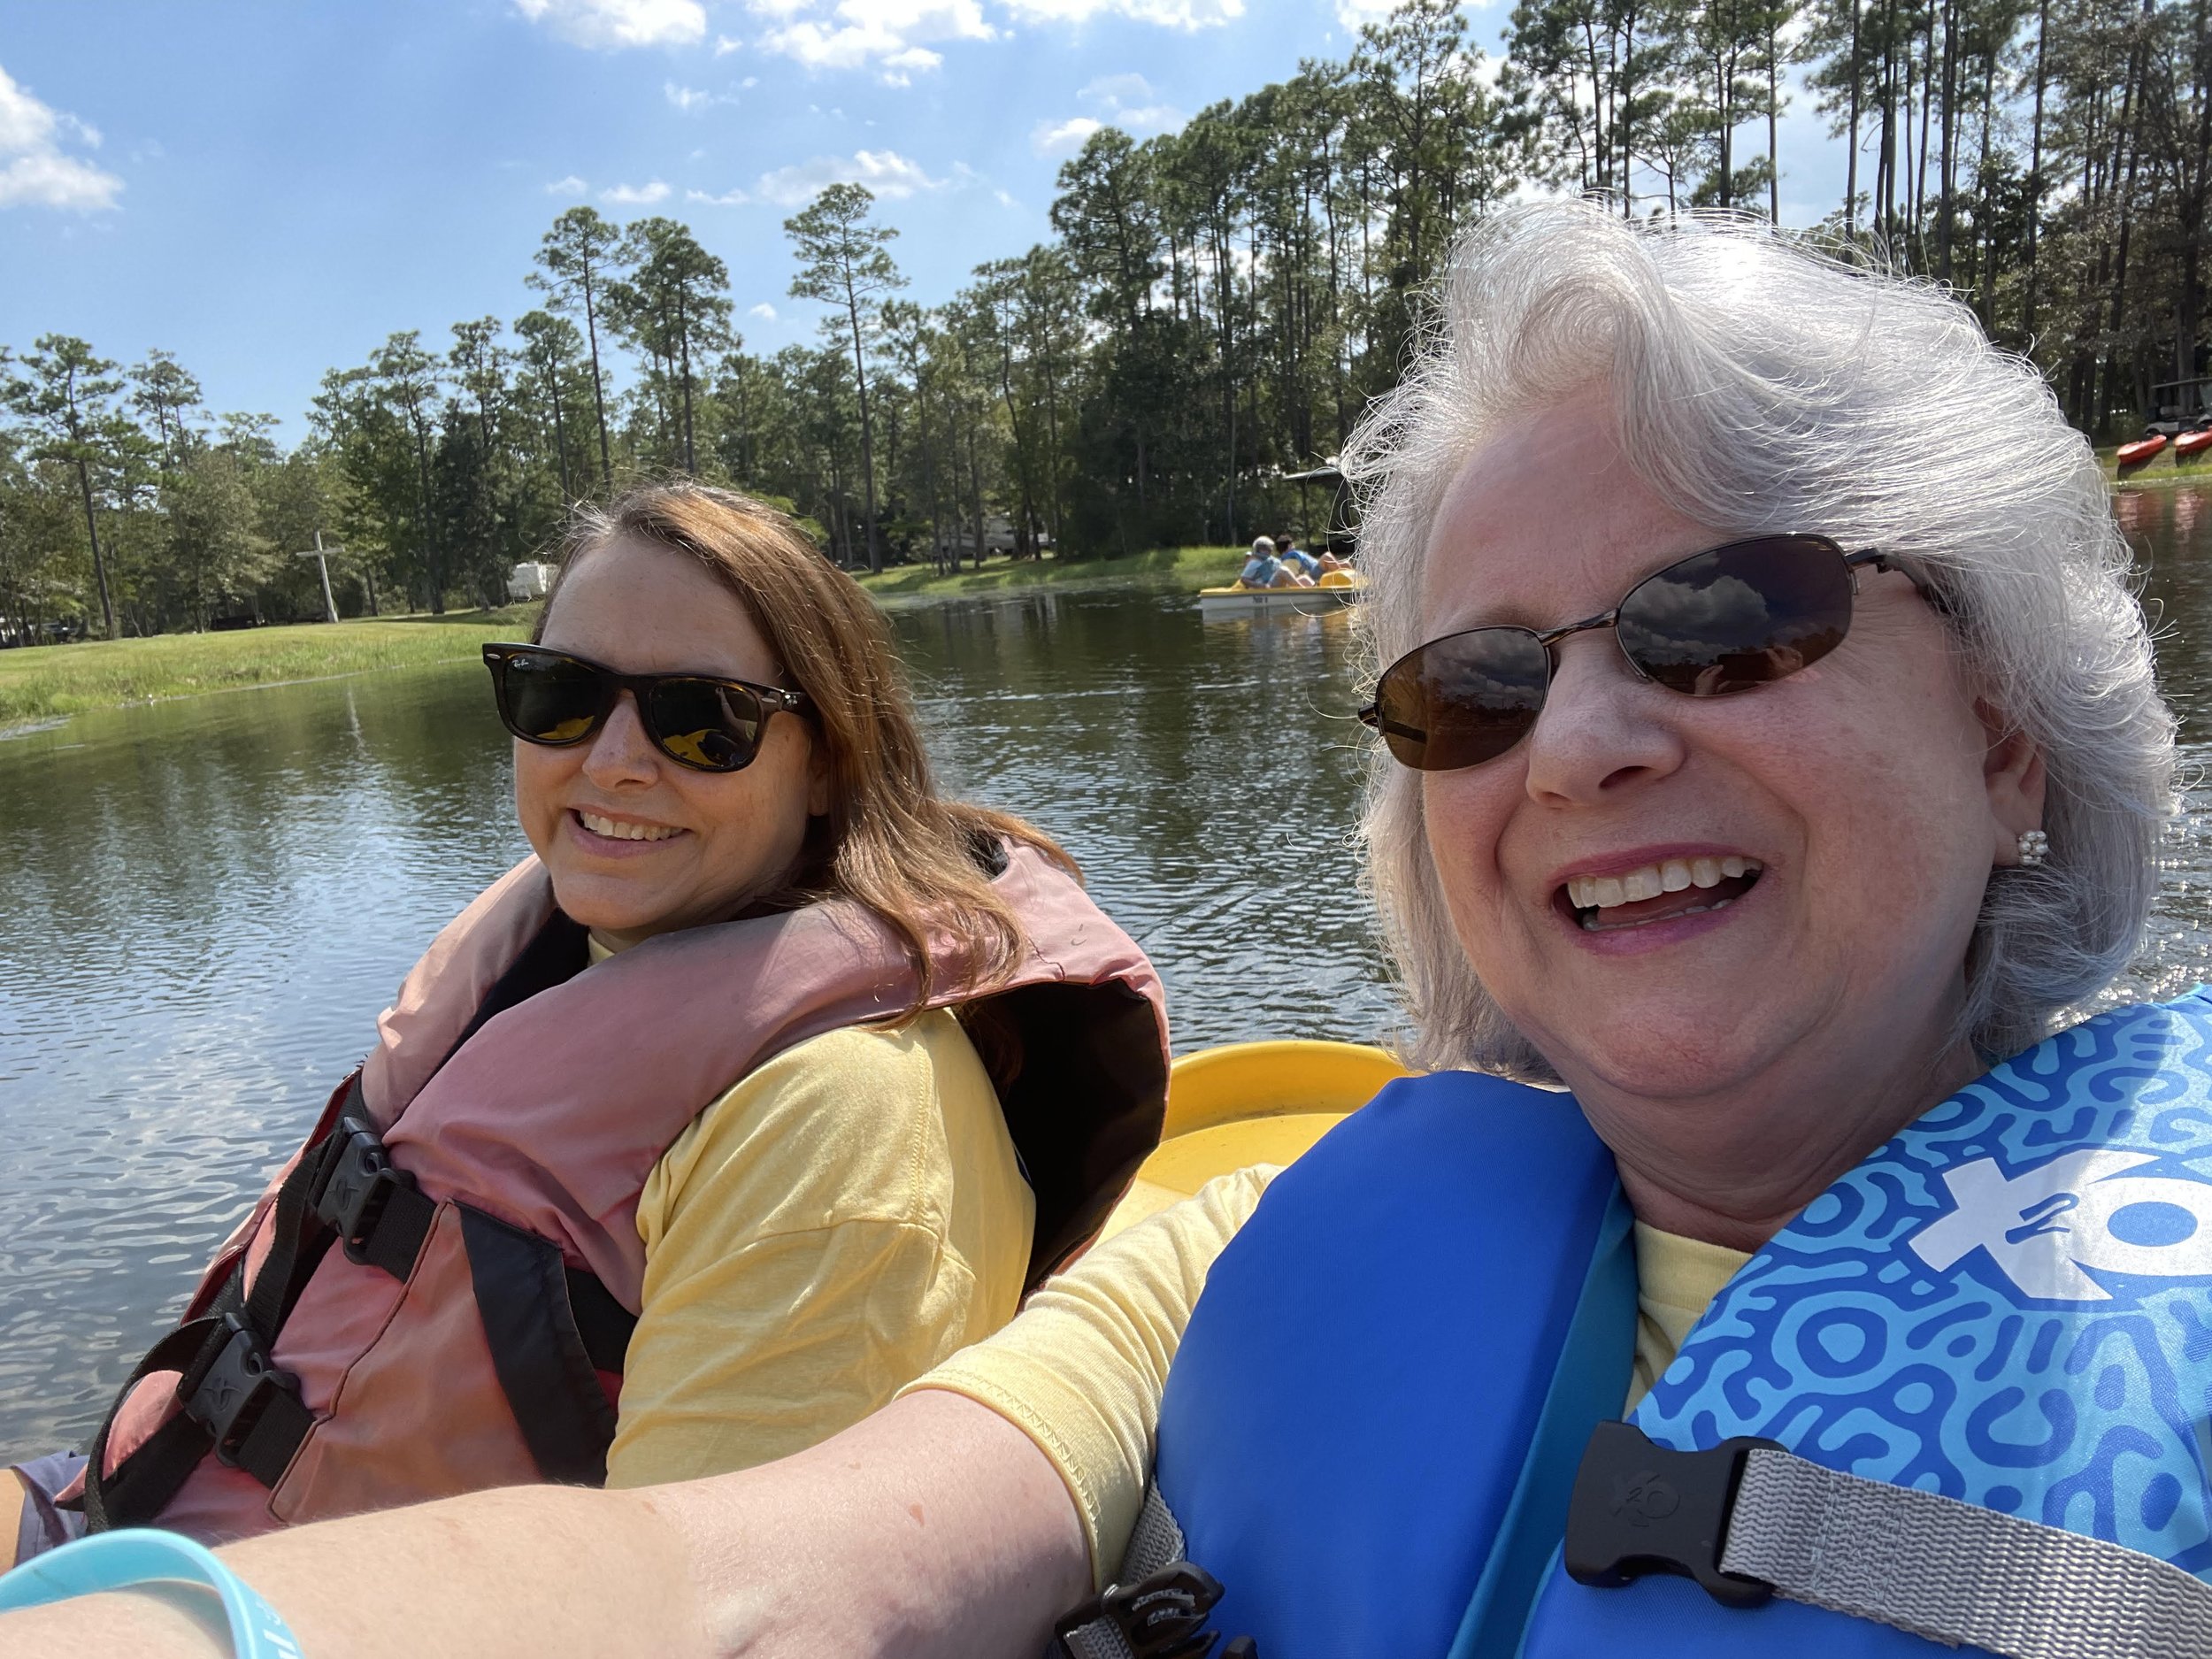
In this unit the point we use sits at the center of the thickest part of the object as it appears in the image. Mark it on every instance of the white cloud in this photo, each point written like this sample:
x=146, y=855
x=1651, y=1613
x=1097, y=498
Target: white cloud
x=635, y=194
x=764, y=312
x=750, y=82
x=34, y=172
x=1352, y=13
x=610, y=25
x=570, y=186
x=687, y=98
x=1175, y=14
x=893, y=37
x=1062, y=138
x=735, y=198
x=1129, y=103
x=1125, y=100
x=724, y=46
x=886, y=172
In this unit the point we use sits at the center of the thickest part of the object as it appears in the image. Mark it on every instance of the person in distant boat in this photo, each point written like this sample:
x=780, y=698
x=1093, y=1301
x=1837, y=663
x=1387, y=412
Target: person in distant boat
x=1789, y=802
x=771, y=1078
x=1296, y=558
x=1263, y=568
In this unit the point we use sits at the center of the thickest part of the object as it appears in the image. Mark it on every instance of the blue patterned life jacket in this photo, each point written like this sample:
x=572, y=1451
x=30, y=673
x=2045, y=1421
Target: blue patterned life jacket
x=1373, y=1424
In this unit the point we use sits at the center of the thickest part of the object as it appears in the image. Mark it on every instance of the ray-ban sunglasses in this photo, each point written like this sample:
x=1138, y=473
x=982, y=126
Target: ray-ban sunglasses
x=702, y=721
x=1728, y=619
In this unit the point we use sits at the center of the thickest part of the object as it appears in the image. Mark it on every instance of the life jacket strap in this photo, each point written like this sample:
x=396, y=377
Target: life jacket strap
x=1158, y=1608
x=1757, y=1520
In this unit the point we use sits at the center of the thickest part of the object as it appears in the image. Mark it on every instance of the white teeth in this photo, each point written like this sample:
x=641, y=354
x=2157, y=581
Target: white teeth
x=616, y=830
x=1600, y=892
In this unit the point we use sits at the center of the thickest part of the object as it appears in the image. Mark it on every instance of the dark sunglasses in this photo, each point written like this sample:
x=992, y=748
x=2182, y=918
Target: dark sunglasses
x=697, y=720
x=1725, y=620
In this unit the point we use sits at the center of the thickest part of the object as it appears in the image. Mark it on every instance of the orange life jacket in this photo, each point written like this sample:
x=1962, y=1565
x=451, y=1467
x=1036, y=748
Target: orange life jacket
x=479, y=1180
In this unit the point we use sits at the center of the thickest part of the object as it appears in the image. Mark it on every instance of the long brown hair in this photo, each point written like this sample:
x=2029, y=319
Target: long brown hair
x=890, y=842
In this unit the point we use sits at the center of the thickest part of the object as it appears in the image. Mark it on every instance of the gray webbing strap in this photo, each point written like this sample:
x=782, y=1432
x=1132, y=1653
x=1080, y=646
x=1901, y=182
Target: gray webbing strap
x=1956, y=1572
x=1156, y=1542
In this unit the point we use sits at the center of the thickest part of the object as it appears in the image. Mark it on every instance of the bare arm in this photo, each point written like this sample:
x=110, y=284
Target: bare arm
x=934, y=1530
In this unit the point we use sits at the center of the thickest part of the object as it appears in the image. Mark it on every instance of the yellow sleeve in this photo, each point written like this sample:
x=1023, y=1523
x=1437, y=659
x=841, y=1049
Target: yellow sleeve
x=1081, y=1370
x=845, y=1218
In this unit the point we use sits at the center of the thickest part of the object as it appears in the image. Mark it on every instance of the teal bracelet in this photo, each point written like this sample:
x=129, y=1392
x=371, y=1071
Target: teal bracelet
x=116, y=1561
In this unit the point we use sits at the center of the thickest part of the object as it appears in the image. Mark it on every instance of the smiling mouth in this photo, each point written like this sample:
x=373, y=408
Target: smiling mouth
x=620, y=830
x=1656, y=893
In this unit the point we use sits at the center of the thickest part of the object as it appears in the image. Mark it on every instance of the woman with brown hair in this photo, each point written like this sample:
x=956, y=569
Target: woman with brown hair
x=767, y=1082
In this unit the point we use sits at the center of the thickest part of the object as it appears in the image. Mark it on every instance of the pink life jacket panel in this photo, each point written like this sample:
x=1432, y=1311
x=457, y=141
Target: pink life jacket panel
x=480, y=1175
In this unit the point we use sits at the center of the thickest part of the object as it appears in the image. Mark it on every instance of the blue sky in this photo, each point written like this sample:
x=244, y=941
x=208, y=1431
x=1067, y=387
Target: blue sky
x=269, y=189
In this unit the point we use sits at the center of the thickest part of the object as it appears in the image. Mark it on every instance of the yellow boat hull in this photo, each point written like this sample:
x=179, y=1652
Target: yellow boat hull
x=1246, y=1103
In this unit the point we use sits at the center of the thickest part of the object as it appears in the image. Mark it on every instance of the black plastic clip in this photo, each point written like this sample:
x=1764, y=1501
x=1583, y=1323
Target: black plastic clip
x=1640, y=1508
x=358, y=1180
x=230, y=1385
x=1163, y=1617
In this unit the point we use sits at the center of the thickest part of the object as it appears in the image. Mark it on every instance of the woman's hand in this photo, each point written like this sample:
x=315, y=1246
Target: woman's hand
x=933, y=1530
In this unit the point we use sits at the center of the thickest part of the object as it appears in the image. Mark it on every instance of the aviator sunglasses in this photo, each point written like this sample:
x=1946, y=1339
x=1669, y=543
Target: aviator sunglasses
x=697, y=720
x=1728, y=619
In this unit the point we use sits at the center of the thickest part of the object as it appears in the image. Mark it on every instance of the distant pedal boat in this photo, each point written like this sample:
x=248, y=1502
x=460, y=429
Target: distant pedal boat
x=1324, y=596
x=2139, y=453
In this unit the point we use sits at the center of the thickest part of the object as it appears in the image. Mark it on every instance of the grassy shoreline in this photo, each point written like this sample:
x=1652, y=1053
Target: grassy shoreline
x=47, y=682
x=43, y=683
x=2159, y=471
x=1162, y=569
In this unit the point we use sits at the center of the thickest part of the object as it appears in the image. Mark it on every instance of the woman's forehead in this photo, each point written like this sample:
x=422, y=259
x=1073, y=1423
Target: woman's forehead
x=1544, y=524
x=647, y=608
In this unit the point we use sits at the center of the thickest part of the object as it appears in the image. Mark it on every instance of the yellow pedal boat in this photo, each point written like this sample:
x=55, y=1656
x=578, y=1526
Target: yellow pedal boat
x=1334, y=591
x=1246, y=1103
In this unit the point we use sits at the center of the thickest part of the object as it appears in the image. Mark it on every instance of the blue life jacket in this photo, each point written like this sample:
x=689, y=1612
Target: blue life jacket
x=1372, y=1425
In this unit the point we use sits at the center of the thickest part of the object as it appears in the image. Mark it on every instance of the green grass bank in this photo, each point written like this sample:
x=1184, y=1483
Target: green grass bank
x=1162, y=570
x=49, y=682
x=2158, y=469
x=44, y=682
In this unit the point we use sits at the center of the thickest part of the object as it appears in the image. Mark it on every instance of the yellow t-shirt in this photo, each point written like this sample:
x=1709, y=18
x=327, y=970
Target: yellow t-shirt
x=848, y=1214
x=1081, y=1370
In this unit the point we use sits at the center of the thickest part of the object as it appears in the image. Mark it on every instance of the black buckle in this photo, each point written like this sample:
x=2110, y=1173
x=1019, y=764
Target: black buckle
x=1163, y=1617
x=1640, y=1508
x=355, y=1183
x=230, y=1385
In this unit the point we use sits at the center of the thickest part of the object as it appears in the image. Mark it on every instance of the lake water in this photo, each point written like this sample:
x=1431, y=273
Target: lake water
x=203, y=903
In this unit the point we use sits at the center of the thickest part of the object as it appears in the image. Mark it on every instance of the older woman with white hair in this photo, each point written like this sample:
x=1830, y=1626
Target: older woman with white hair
x=1771, y=756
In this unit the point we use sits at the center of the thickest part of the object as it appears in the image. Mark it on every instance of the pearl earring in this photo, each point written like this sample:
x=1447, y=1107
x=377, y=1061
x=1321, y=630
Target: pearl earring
x=2035, y=846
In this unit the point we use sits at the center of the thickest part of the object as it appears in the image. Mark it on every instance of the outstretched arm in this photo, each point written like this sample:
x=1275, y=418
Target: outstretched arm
x=934, y=1528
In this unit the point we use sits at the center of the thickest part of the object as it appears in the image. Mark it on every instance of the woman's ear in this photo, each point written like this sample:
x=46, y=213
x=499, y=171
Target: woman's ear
x=2012, y=771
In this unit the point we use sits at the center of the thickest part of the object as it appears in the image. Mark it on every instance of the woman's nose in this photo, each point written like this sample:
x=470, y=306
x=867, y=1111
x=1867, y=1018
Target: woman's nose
x=619, y=751
x=1602, y=728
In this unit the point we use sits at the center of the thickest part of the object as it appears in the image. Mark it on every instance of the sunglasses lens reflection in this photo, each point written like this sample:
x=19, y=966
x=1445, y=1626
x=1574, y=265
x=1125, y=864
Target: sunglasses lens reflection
x=1738, y=616
x=550, y=699
x=1460, y=701
x=712, y=727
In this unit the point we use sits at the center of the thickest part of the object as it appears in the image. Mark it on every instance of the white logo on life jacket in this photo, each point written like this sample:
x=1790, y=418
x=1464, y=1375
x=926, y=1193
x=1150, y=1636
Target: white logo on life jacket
x=2043, y=1228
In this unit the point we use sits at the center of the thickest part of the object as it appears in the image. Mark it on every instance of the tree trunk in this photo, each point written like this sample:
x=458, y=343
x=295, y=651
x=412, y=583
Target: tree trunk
x=99, y=564
x=2035, y=174
x=598, y=391
x=867, y=429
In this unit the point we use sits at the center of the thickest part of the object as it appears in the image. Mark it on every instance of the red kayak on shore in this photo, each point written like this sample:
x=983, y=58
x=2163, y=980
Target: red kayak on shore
x=2134, y=455
x=2189, y=445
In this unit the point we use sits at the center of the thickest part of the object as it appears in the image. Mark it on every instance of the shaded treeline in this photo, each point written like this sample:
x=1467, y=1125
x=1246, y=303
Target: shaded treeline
x=1215, y=309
